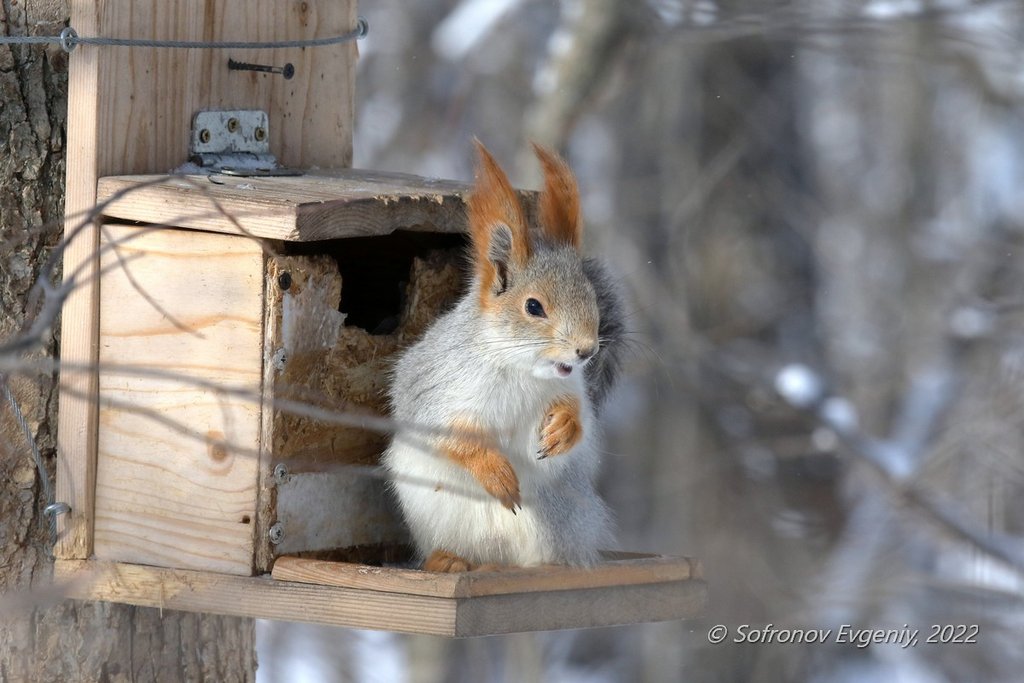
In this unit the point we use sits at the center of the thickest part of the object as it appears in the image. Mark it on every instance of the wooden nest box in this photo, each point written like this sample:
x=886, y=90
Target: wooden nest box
x=232, y=317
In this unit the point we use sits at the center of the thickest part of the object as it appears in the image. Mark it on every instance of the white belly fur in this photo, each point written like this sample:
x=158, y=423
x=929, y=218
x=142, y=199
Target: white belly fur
x=562, y=519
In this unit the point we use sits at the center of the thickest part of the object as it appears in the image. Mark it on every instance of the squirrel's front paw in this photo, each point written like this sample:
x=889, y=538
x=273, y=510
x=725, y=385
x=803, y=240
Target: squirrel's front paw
x=471, y=449
x=495, y=474
x=561, y=428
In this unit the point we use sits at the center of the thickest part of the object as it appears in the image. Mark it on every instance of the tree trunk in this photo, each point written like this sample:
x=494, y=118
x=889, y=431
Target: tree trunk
x=64, y=641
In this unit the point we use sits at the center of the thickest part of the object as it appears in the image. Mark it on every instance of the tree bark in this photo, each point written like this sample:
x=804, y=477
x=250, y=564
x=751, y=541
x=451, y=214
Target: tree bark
x=64, y=641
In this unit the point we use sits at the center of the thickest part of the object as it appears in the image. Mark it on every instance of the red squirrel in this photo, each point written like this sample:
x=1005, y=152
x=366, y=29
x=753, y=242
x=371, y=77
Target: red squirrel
x=508, y=385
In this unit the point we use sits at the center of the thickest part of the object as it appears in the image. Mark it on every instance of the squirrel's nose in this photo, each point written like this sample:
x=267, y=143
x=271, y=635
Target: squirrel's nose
x=586, y=352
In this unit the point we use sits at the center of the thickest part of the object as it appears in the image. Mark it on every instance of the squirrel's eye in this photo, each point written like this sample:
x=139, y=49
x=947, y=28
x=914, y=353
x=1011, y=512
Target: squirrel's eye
x=534, y=308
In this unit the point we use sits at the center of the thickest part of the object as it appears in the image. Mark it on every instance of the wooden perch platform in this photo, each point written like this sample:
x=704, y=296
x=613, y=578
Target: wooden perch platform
x=623, y=590
x=318, y=205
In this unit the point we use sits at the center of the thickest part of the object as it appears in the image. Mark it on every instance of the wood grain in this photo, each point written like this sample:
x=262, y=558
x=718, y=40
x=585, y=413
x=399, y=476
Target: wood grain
x=164, y=496
x=266, y=488
x=316, y=206
x=76, y=416
x=147, y=97
x=632, y=571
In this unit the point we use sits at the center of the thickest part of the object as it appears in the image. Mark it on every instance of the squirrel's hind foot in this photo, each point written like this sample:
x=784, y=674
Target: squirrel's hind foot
x=446, y=562
x=449, y=563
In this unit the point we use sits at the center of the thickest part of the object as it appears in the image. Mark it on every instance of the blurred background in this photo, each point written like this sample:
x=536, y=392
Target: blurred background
x=822, y=198
x=815, y=207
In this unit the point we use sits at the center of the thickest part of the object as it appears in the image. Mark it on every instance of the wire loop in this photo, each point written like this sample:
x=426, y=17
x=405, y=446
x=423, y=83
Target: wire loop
x=69, y=40
x=54, y=509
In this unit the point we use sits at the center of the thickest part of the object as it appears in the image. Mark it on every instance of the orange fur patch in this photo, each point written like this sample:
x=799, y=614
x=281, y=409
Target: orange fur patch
x=560, y=199
x=494, y=202
x=561, y=428
x=470, y=448
x=444, y=561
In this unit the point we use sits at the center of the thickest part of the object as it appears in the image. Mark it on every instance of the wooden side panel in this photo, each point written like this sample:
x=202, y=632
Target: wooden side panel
x=130, y=111
x=177, y=461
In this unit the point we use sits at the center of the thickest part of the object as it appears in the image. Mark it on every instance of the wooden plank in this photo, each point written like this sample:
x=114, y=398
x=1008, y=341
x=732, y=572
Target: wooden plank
x=76, y=415
x=130, y=111
x=585, y=608
x=164, y=496
x=513, y=580
x=266, y=489
x=316, y=206
x=260, y=597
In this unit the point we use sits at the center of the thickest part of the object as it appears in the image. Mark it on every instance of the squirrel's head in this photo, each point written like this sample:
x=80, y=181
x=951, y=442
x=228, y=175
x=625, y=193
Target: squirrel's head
x=539, y=307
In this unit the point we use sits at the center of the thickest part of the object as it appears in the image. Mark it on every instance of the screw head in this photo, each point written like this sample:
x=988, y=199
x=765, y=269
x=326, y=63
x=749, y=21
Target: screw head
x=232, y=124
x=288, y=71
x=204, y=135
x=276, y=533
x=280, y=473
x=261, y=134
x=284, y=280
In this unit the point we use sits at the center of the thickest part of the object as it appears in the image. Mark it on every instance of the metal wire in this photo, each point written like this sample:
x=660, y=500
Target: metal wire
x=52, y=509
x=69, y=40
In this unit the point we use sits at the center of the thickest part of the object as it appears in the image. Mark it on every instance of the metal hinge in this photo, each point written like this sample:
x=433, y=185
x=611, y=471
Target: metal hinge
x=235, y=142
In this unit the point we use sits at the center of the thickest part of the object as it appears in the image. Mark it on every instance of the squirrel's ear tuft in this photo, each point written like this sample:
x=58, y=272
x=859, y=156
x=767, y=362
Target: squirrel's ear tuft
x=560, y=200
x=497, y=224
